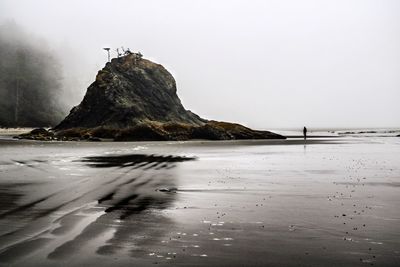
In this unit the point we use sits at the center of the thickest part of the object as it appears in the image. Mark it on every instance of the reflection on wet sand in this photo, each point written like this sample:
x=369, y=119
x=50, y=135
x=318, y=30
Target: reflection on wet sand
x=64, y=220
x=138, y=160
x=241, y=204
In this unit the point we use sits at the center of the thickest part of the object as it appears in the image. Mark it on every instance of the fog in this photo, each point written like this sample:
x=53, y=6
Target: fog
x=265, y=64
x=31, y=86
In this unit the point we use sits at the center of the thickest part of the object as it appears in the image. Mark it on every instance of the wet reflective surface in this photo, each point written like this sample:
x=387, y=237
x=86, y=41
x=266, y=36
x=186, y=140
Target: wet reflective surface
x=250, y=203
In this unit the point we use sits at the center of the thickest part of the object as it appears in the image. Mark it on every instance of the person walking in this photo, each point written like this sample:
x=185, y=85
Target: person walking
x=305, y=133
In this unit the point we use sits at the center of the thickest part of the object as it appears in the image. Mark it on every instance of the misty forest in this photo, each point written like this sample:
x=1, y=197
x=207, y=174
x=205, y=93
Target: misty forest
x=30, y=80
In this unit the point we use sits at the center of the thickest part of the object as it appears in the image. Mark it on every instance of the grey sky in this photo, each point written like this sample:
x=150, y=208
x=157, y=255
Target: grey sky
x=266, y=64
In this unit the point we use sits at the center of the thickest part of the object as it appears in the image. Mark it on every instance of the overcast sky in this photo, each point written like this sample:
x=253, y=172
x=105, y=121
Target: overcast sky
x=266, y=64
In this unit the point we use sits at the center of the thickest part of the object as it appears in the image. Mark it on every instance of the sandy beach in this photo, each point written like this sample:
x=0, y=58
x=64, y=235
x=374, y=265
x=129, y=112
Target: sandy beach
x=332, y=202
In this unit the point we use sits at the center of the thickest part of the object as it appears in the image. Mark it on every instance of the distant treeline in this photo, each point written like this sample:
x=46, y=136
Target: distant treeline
x=30, y=80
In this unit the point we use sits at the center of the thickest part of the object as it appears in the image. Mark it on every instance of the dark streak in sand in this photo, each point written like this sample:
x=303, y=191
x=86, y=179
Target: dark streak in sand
x=124, y=161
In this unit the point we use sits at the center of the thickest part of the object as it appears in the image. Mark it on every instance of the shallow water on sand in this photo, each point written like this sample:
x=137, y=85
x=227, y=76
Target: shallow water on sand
x=333, y=202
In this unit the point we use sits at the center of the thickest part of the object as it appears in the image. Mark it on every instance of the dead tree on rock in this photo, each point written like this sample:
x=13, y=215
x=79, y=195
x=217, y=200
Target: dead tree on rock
x=127, y=52
x=118, y=53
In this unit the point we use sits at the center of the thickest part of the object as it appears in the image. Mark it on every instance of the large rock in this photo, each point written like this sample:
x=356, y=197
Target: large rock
x=135, y=99
x=130, y=90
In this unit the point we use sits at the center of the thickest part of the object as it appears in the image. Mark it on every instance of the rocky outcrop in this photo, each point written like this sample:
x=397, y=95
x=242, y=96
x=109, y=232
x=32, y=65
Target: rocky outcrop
x=128, y=91
x=135, y=99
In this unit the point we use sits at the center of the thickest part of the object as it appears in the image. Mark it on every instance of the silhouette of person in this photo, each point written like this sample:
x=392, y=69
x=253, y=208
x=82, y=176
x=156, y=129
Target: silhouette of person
x=305, y=133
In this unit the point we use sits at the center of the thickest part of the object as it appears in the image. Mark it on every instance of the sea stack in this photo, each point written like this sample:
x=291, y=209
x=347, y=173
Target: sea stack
x=134, y=98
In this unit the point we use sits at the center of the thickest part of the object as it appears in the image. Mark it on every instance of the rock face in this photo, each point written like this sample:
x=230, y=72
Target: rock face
x=135, y=99
x=130, y=90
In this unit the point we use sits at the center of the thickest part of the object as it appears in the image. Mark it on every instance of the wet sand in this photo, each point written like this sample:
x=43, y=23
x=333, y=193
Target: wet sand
x=333, y=202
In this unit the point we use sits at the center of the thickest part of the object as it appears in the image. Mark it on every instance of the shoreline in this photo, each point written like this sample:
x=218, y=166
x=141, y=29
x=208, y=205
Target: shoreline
x=7, y=140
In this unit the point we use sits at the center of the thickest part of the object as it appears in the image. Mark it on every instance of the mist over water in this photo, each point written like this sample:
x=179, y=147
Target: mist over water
x=265, y=64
